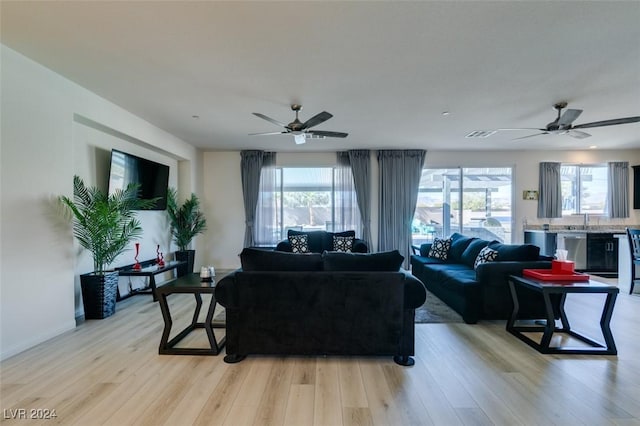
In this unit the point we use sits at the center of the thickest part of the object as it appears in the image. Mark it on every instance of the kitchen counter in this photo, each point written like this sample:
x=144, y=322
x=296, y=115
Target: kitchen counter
x=578, y=229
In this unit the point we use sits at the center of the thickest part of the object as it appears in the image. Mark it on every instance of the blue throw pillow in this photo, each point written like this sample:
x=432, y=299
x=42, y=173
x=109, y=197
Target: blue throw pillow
x=458, y=245
x=471, y=252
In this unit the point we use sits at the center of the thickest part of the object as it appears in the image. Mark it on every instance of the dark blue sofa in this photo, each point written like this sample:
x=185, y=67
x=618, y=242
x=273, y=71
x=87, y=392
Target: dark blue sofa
x=481, y=293
x=320, y=304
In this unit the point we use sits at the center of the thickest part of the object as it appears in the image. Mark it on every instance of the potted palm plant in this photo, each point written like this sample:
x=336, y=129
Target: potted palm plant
x=186, y=222
x=105, y=225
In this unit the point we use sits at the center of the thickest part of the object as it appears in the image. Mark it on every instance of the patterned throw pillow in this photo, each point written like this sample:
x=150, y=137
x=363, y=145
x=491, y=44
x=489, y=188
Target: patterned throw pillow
x=299, y=243
x=344, y=244
x=486, y=255
x=440, y=248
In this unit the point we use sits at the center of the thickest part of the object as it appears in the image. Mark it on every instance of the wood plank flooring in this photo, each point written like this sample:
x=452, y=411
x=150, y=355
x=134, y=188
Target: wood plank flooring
x=109, y=372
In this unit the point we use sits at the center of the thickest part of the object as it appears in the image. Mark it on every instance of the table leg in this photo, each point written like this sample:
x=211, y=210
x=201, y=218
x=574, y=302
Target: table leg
x=563, y=315
x=152, y=284
x=550, y=326
x=196, y=312
x=208, y=326
x=168, y=322
x=605, y=321
x=516, y=306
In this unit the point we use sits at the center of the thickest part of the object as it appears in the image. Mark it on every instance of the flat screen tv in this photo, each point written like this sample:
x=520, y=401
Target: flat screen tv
x=153, y=177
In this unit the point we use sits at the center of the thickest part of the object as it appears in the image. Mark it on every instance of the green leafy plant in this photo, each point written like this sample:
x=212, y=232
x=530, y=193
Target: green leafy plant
x=186, y=220
x=105, y=224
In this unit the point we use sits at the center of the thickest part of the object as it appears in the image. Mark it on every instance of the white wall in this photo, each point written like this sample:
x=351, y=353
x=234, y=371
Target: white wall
x=51, y=129
x=224, y=206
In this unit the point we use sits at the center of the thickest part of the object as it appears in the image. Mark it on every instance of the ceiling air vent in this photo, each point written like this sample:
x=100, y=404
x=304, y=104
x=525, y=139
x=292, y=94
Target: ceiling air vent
x=480, y=134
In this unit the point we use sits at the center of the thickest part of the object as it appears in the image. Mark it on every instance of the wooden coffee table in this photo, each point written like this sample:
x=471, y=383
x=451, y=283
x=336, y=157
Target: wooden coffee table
x=190, y=284
x=562, y=288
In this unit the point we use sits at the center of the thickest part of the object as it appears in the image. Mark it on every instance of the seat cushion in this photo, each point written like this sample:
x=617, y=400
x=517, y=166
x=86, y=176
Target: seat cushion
x=382, y=261
x=253, y=259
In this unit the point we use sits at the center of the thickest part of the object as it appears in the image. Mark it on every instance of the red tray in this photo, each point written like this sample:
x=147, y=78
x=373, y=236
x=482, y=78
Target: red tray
x=546, y=275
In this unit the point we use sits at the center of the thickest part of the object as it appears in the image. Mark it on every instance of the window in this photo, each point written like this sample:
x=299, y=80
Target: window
x=473, y=201
x=584, y=189
x=305, y=199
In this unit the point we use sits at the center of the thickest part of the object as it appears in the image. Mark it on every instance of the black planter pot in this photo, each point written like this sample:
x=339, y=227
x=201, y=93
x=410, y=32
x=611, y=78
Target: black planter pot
x=189, y=256
x=99, y=294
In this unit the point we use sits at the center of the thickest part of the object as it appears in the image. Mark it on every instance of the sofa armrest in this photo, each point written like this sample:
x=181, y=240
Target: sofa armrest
x=496, y=273
x=414, y=291
x=225, y=292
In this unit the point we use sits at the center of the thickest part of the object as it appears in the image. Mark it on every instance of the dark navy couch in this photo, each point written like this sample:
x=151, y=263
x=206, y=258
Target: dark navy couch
x=320, y=304
x=481, y=293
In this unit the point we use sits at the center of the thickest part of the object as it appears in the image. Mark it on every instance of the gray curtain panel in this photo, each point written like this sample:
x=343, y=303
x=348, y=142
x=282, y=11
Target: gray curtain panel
x=359, y=160
x=400, y=172
x=550, y=191
x=618, y=189
x=346, y=215
x=250, y=167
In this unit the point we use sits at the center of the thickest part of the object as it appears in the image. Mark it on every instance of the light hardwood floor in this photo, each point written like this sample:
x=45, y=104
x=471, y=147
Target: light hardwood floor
x=109, y=372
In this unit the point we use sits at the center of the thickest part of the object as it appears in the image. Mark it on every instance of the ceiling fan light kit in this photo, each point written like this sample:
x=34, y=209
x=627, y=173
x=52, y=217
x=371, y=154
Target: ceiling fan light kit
x=301, y=131
x=562, y=125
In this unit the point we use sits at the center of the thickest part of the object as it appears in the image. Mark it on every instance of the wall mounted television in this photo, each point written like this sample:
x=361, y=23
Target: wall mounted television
x=153, y=177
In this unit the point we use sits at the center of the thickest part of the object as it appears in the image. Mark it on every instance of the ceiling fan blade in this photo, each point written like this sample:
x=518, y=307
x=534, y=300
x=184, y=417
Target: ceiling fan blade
x=328, y=134
x=608, y=122
x=268, y=133
x=569, y=116
x=299, y=139
x=521, y=128
x=315, y=120
x=264, y=117
x=578, y=134
x=530, y=136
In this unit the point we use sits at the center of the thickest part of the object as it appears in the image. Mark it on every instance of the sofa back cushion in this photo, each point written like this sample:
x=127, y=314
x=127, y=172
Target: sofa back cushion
x=470, y=254
x=515, y=252
x=382, y=261
x=458, y=245
x=319, y=241
x=253, y=259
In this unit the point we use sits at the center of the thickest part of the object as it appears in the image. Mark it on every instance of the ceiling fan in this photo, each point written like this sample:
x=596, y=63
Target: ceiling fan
x=301, y=131
x=562, y=125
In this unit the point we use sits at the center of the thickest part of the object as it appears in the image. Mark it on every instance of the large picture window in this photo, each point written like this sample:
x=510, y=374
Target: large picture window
x=305, y=199
x=584, y=189
x=473, y=201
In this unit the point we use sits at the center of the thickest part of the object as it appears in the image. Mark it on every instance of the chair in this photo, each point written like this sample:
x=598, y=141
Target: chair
x=633, y=235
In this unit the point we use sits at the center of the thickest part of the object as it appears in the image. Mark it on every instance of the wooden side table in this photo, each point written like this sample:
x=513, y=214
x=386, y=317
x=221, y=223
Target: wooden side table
x=191, y=284
x=562, y=288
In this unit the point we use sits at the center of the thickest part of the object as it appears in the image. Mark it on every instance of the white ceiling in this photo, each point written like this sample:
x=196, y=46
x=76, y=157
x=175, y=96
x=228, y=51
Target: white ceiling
x=385, y=70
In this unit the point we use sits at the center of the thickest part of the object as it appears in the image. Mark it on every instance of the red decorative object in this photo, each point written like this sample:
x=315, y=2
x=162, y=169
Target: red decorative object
x=137, y=265
x=159, y=257
x=548, y=275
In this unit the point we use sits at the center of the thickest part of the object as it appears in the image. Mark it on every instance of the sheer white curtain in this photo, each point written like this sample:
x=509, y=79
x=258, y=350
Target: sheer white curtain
x=267, y=221
x=346, y=211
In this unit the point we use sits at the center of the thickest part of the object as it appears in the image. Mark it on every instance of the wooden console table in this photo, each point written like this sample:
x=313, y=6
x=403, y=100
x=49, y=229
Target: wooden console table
x=149, y=269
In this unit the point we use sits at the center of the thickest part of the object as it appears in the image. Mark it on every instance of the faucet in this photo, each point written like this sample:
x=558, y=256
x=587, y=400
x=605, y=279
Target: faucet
x=586, y=221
